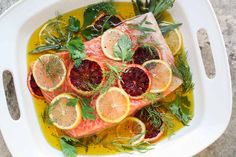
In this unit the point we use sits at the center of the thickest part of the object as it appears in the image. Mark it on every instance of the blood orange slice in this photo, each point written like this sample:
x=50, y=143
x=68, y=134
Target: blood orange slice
x=86, y=77
x=33, y=87
x=64, y=116
x=153, y=133
x=113, y=106
x=49, y=72
x=135, y=81
x=145, y=53
x=161, y=75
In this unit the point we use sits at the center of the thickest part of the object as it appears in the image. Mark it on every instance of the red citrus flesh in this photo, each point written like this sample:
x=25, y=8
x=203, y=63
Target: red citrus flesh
x=145, y=53
x=152, y=133
x=110, y=20
x=135, y=81
x=33, y=87
x=87, y=76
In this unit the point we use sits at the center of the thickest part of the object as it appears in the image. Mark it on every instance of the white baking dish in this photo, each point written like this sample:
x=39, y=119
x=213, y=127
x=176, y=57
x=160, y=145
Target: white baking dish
x=212, y=96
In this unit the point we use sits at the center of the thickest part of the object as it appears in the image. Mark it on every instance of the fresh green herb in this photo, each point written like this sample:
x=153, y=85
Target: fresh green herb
x=90, y=32
x=93, y=31
x=76, y=50
x=43, y=48
x=93, y=11
x=74, y=24
x=72, y=101
x=111, y=76
x=69, y=145
x=151, y=97
x=67, y=149
x=63, y=35
x=157, y=7
x=180, y=108
x=142, y=29
x=126, y=144
x=166, y=27
x=123, y=49
x=87, y=111
x=153, y=115
x=168, y=123
x=45, y=115
x=184, y=72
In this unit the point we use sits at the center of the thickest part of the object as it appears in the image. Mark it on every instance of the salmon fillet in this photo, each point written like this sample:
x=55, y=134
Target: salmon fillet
x=93, y=50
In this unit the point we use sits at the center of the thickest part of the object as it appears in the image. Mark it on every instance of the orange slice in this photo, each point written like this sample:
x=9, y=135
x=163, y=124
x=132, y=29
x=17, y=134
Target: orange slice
x=49, y=72
x=113, y=106
x=161, y=75
x=109, y=39
x=174, y=40
x=63, y=116
x=131, y=128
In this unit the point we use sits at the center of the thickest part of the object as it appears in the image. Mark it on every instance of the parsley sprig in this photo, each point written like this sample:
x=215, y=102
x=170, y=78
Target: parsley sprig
x=123, y=49
x=69, y=144
x=180, y=107
x=87, y=111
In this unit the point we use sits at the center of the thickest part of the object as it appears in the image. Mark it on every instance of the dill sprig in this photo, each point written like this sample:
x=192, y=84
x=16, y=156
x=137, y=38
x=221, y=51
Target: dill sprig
x=153, y=115
x=111, y=76
x=184, y=72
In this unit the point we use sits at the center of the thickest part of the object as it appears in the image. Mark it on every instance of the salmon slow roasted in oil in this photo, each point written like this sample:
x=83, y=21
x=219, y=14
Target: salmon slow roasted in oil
x=93, y=50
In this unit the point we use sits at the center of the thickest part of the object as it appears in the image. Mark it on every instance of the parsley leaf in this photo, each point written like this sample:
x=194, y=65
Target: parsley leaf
x=179, y=107
x=72, y=101
x=87, y=111
x=76, y=50
x=123, y=49
x=94, y=10
x=67, y=149
x=74, y=24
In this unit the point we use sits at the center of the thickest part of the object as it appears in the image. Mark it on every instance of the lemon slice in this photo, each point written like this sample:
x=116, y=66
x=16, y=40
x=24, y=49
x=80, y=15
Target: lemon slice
x=63, y=116
x=131, y=128
x=49, y=72
x=113, y=106
x=53, y=29
x=161, y=75
x=174, y=40
x=109, y=39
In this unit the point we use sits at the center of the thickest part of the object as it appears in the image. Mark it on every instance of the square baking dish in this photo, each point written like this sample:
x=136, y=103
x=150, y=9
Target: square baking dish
x=212, y=97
